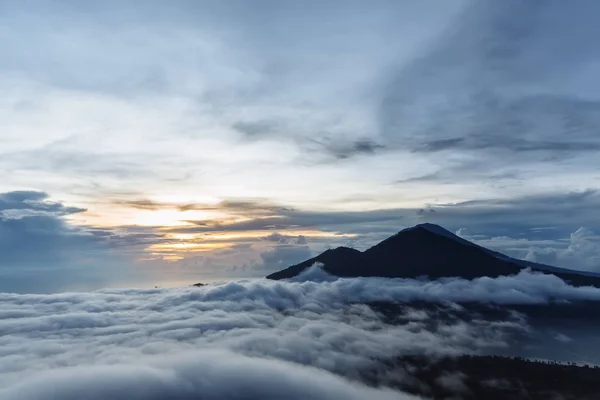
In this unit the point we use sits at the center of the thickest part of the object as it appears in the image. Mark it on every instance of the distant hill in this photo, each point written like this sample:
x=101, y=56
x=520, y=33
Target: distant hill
x=428, y=250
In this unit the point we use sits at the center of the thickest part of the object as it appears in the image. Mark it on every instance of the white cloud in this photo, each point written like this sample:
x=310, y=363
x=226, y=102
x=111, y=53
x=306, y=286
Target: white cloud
x=582, y=252
x=131, y=337
x=200, y=374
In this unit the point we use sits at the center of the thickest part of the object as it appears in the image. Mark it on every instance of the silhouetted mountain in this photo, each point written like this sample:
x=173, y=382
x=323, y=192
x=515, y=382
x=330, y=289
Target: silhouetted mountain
x=427, y=250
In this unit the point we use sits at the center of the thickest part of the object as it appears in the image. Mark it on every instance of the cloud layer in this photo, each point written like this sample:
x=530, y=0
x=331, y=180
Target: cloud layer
x=210, y=375
x=247, y=338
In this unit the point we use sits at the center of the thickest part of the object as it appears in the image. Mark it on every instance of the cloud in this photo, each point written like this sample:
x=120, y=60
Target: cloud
x=202, y=76
x=494, y=103
x=479, y=88
x=499, y=216
x=254, y=258
x=582, y=252
x=282, y=218
x=316, y=148
x=31, y=227
x=256, y=128
x=523, y=288
x=341, y=148
x=282, y=256
x=579, y=250
x=285, y=239
x=208, y=375
x=518, y=218
x=144, y=204
x=254, y=338
x=41, y=251
x=460, y=101
x=565, y=212
x=247, y=207
x=32, y=202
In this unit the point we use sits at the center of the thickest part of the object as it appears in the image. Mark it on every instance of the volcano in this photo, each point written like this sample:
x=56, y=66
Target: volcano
x=428, y=250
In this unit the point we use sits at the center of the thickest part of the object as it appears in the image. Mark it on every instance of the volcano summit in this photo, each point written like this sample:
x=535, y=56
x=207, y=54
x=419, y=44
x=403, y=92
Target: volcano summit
x=428, y=250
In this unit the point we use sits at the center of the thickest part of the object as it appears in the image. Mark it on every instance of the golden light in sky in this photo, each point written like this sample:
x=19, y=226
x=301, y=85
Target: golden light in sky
x=118, y=215
x=180, y=244
x=167, y=217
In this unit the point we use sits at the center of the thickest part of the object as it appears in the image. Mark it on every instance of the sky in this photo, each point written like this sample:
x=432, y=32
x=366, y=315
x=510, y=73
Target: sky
x=170, y=143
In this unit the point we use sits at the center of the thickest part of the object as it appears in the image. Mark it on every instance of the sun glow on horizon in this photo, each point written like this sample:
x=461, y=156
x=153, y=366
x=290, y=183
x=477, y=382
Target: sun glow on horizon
x=218, y=236
x=171, y=217
x=117, y=215
x=202, y=228
x=181, y=244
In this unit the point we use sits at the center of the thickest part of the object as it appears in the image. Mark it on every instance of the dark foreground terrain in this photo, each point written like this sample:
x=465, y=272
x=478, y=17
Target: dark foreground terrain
x=487, y=377
x=503, y=373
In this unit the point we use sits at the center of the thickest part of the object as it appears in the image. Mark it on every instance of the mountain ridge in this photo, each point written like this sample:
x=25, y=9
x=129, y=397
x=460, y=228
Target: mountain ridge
x=428, y=250
x=525, y=263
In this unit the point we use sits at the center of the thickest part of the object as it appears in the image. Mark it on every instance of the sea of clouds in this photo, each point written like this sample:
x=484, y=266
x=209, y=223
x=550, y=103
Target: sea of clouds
x=305, y=338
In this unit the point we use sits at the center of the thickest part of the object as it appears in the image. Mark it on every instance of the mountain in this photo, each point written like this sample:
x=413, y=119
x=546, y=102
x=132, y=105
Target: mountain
x=427, y=250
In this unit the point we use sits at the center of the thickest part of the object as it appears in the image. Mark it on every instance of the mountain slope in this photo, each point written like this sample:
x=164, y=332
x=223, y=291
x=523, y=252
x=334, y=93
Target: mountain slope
x=427, y=250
